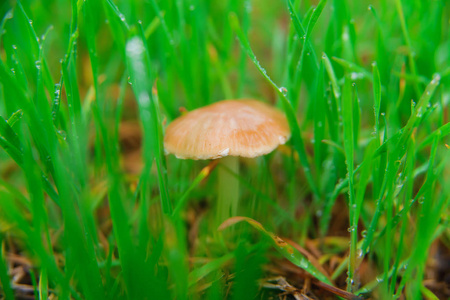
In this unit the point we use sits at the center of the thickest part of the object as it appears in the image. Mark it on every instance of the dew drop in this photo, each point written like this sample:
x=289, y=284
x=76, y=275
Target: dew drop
x=57, y=92
x=359, y=253
x=62, y=134
x=436, y=78
x=283, y=90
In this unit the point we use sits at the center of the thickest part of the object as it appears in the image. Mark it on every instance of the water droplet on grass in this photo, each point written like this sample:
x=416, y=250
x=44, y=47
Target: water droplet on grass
x=359, y=253
x=283, y=90
x=62, y=134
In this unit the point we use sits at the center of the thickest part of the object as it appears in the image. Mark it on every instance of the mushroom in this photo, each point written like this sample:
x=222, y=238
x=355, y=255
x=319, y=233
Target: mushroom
x=227, y=129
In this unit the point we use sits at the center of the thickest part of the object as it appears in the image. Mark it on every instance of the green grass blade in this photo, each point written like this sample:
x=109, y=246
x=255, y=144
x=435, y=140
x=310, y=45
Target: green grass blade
x=412, y=63
x=347, y=112
x=288, y=251
x=4, y=277
x=138, y=64
x=332, y=76
x=356, y=69
x=212, y=266
x=319, y=124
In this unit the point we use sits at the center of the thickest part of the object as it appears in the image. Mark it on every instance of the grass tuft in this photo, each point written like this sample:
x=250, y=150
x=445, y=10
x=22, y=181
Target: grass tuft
x=92, y=208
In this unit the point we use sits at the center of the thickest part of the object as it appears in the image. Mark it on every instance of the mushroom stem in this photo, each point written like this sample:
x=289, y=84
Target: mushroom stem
x=228, y=188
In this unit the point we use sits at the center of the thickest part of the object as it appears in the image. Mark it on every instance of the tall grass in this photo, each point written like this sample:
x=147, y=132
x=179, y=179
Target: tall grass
x=358, y=197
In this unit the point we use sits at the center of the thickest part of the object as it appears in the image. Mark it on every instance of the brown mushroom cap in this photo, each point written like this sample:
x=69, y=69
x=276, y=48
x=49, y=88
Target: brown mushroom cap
x=246, y=128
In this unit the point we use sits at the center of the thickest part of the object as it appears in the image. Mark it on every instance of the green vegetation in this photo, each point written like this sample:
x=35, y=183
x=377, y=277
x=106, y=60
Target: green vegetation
x=358, y=199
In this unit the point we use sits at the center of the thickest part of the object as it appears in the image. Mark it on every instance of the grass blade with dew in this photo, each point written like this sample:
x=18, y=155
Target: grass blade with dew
x=305, y=36
x=403, y=137
x=41, y=131
x=288, y=251
x=139, y=68
x=297, y=139
x=35, y=45
x=378, y=171
x=336, y=164
x=357, y=71
x=404, y=213
x=319, y=128
x=331, y=75
x=412, y=63
x=117, y=23
x=429, y=218
x=349, y=146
